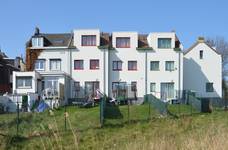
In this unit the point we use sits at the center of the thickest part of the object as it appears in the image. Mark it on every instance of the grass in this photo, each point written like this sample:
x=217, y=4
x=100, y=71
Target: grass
x=47, y=130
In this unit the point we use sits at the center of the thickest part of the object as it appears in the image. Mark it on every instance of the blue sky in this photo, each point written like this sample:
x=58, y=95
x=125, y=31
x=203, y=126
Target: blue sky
x=189, y=19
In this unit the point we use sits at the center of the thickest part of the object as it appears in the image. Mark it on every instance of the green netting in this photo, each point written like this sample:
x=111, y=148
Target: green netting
x=194, y=102
x=159, y=105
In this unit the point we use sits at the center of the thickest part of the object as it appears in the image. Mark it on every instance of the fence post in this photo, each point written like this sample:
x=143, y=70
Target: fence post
x=128, y=111
x=147, y=99
x=102, y=111
x=65, y=117
x=17, y=116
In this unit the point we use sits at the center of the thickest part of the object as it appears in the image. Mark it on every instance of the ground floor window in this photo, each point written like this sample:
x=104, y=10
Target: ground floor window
x=51, y=83
x=209, y=87
x=134, y=86
x=91, y=88
x=167, y=90
x=24, y=82
x=119, y=89
x=76, y=89
x=152, y=87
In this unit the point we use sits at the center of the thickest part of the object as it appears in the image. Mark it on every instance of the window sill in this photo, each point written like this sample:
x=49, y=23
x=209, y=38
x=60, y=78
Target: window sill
x=24, y=87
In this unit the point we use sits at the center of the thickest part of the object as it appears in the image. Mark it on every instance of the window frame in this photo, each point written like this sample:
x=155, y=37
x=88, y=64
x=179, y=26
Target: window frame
x=80, y=67
x=159, y=47
x=94, y=68
x=173, y=69
x=158, y=69
x=132, y=69
x=37, y=42
x=60, y=65
x=44, y=65
x=201, y=54
x=92, y=43
x=134, y=86
x=119, y=65
x=121, y=38
x=152, y=83
x=23, y=82
x=209, y=90
x=77, y=88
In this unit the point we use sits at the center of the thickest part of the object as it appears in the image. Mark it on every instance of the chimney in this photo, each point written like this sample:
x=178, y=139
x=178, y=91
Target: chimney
x=201, y=39
x=37, y=31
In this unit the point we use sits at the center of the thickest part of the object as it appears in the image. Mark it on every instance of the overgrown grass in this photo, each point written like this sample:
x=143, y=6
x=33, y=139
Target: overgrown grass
x=47, y=130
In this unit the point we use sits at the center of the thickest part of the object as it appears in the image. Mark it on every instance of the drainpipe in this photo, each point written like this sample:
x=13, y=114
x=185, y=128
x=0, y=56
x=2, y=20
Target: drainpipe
x=104, y=72
x=146, y=73
x=179, y=75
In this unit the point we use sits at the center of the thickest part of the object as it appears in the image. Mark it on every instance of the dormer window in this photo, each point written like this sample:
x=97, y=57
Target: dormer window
x=123, y=42
x=37, y=42
x=164, y=43
x=88, y=40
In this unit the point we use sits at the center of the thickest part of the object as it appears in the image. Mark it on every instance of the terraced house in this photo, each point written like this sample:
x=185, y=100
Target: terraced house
x=78, y=64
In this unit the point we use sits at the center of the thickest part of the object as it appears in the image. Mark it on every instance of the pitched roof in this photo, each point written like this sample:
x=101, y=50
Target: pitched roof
x=199, y=42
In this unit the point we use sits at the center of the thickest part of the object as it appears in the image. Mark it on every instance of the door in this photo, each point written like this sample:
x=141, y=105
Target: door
x=90, y=88
x=167, y=90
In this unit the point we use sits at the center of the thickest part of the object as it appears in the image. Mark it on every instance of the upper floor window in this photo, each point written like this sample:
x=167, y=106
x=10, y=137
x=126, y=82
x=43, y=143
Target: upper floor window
x=169, y=65
x=55, y=64
x=78, y=64
x=132, y=65
x=88, y=40
x=154, y=65
x=117, y=65
x=94, y=64
x=123, y=42
x=24, y=82
x=209, y=87
x=37, y=42
x=201, y=54
x=40, y=64
x=164, y=42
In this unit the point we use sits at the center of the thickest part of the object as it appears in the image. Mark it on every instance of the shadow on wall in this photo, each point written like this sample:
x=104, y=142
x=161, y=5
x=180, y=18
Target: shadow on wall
x=194, y=79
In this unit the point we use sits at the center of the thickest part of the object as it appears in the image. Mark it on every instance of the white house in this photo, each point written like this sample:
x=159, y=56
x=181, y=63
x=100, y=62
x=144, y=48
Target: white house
x=203, y=70
x=76, y=65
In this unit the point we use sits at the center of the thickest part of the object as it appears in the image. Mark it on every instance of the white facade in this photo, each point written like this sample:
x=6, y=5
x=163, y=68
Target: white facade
x=200, y=70
x=162, y=55
x=84, y=65
x=29, y=89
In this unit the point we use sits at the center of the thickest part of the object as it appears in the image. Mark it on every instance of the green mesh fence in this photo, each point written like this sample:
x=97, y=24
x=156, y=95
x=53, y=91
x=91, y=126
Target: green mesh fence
x=194, y=102
x=157, y=104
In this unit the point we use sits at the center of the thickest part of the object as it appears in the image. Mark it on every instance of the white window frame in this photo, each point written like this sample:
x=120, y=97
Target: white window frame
x=38, y=63
x=169, y=69
x=24, y=86
x=37, y=42
x=55, y=69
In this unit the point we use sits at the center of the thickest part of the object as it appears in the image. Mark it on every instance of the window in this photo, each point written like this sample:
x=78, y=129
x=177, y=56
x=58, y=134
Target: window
x=134, y=86
x=91, y=88
x=37, y=42
x=154, y=65
x=88, y=40
x=152, y=87
x=117, y=65
x=78, y=65
x=76, y=89
x=55, y=64
x=77, y=86
x=169, y=65
x=201, y=54
x=24, y=82
x=209, y=87
x=123, y=42
x=52, y=83
x=167, y=90
x=164, y=42
x=94, y=64
x=40, y=64
x=132, y=65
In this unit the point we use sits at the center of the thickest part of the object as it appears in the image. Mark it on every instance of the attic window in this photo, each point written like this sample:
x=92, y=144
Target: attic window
x=58, y=41
x=37, y=42
x=201, y=54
